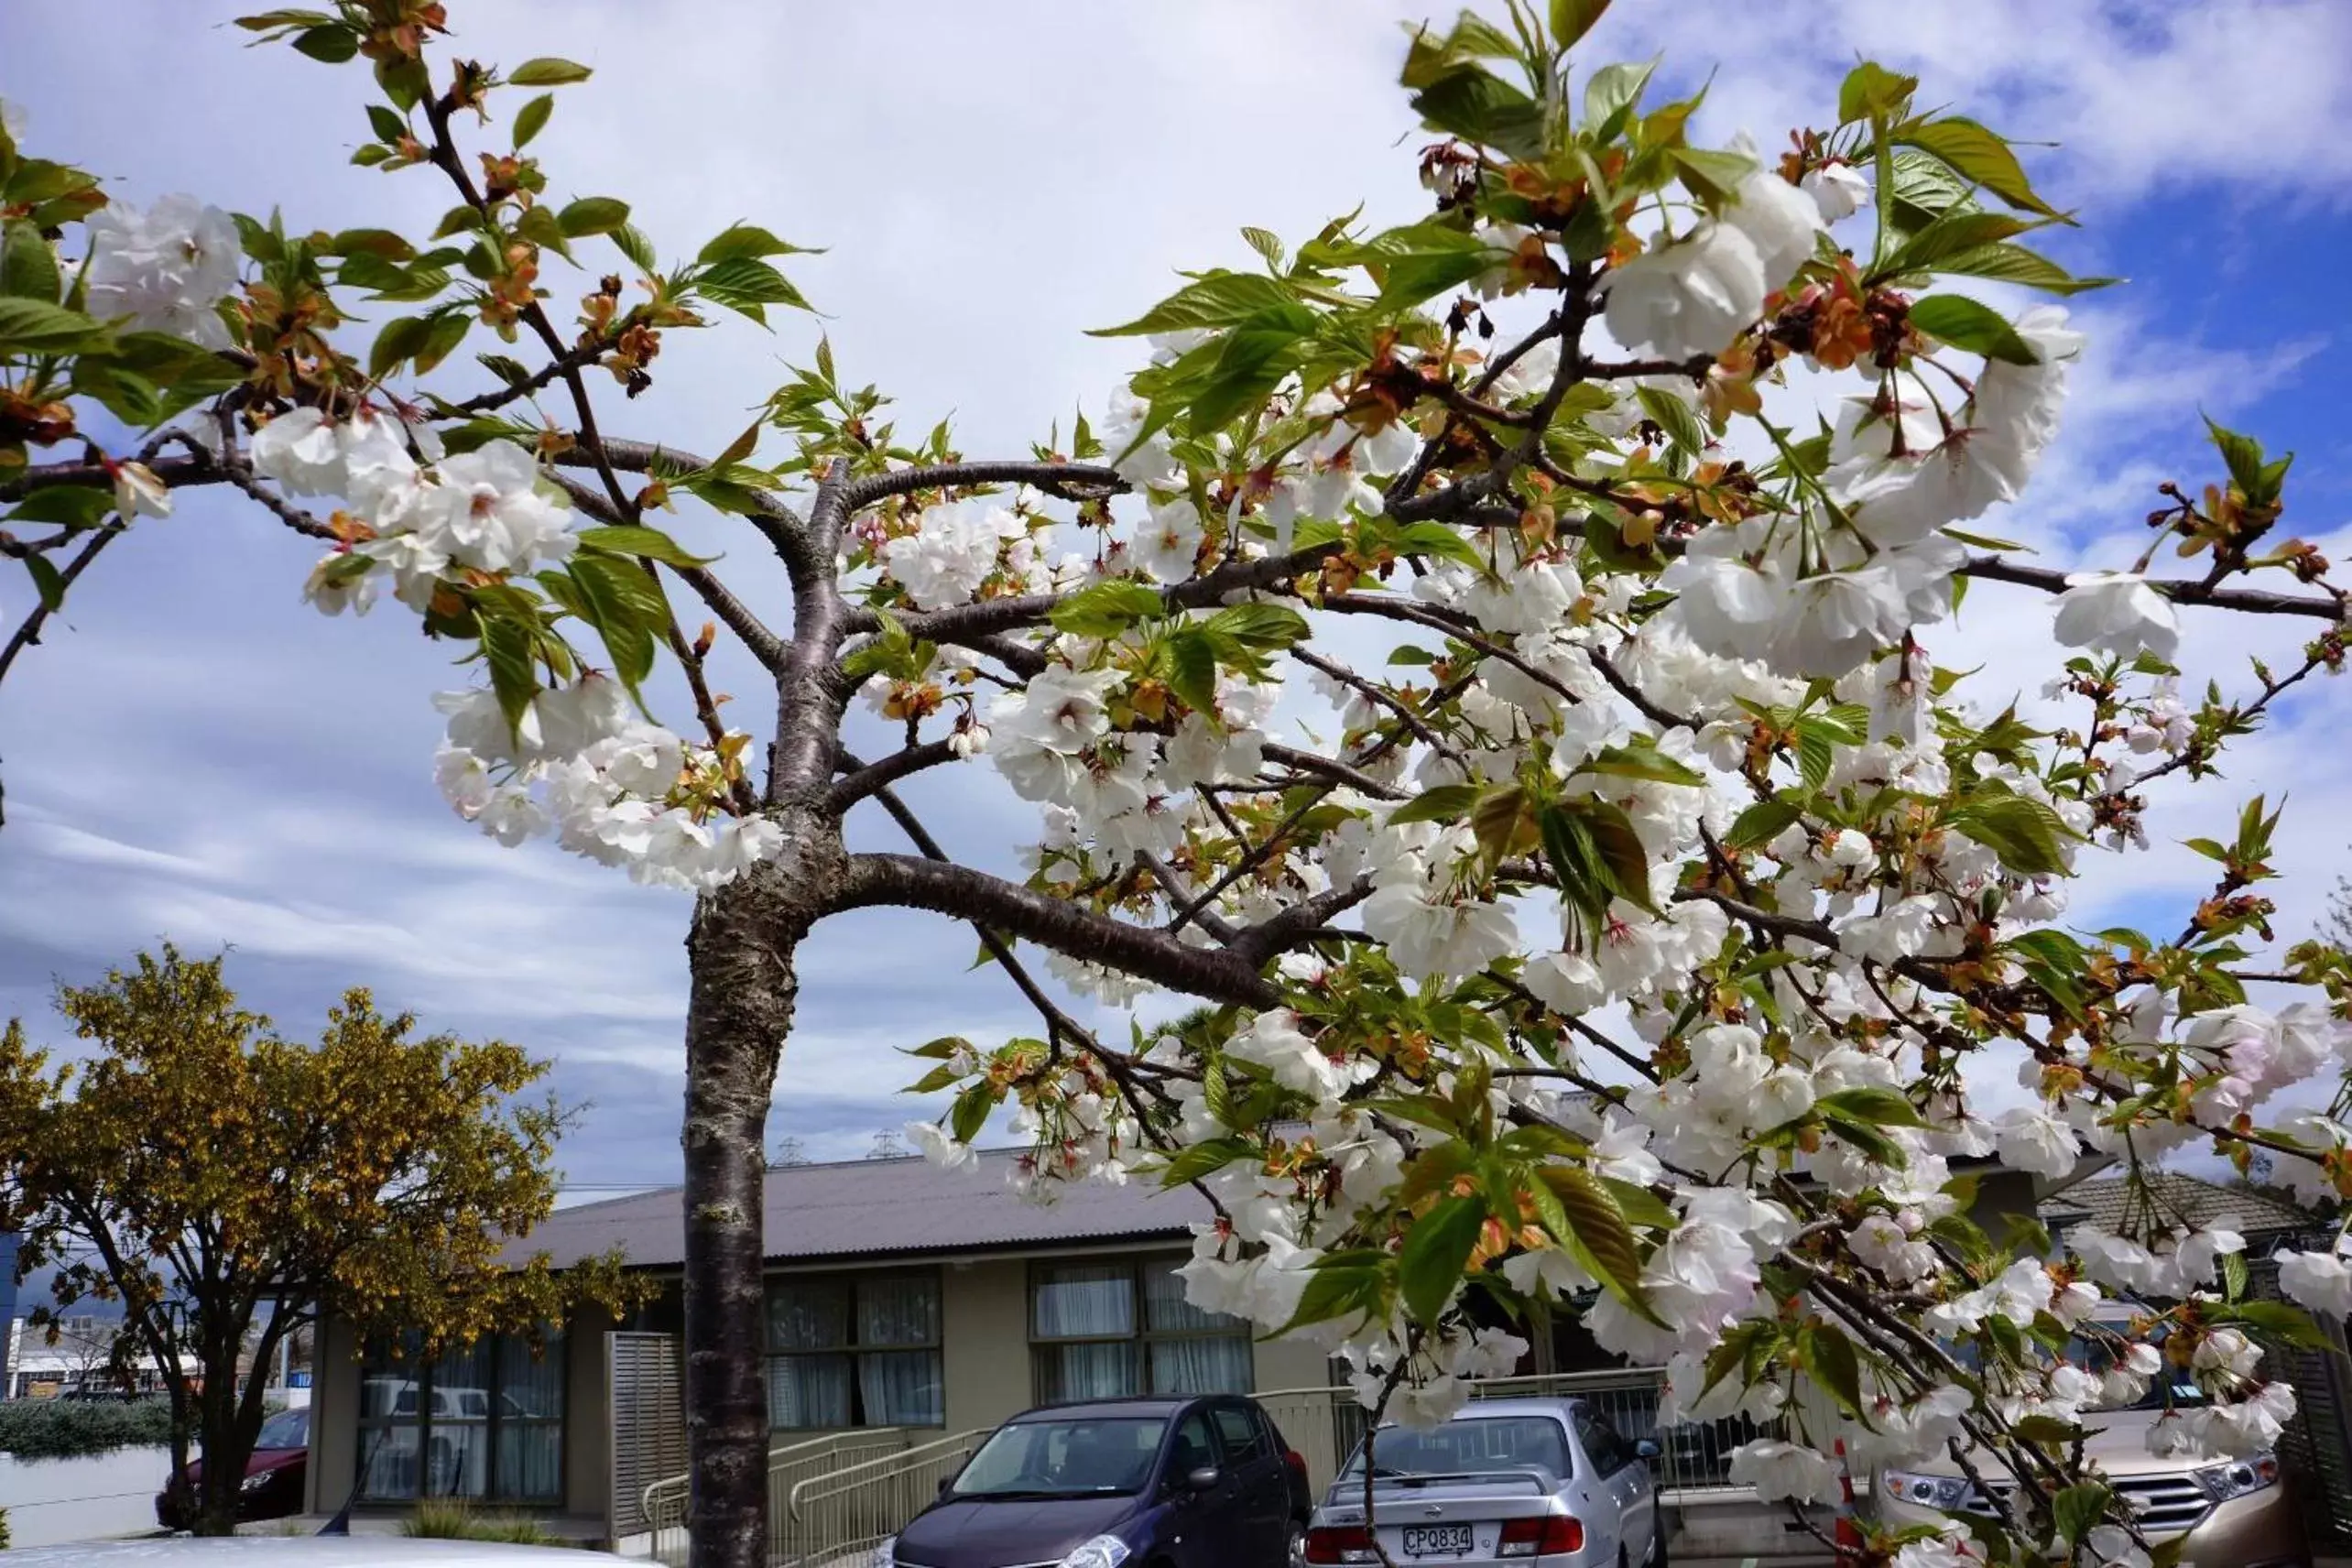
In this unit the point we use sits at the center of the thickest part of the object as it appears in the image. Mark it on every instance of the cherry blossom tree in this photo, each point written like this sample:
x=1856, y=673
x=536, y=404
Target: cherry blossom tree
x=1651, y=887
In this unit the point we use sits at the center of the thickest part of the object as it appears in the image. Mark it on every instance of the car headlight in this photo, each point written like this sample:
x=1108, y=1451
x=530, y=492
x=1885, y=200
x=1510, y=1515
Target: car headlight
x=258, y=1479
x=886, y=1552
x=1103, y=1551
x=1945, y=1492
x=2223, y=1482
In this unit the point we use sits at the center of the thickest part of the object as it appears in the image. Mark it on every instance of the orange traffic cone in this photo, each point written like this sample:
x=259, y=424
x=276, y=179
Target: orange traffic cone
x=1848, y=1531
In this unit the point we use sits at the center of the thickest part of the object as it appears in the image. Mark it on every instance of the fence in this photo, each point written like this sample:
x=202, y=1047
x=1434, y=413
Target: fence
x=1323, y=1425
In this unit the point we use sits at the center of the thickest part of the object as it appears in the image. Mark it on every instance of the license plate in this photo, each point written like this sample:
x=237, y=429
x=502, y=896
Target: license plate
x=1437, y=1540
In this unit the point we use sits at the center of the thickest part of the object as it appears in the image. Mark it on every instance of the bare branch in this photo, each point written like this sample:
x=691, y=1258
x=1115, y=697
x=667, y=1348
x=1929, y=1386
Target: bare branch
x=1058, y=924
x=1067, y=480
x=872, y=778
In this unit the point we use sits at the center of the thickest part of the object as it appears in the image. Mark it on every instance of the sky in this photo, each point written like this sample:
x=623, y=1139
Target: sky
x=195, y=754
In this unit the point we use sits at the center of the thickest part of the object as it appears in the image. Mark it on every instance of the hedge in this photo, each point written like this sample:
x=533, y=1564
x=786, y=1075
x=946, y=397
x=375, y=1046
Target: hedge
x=68, y=1428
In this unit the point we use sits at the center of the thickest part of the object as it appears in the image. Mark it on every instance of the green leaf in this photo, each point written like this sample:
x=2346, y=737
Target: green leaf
x=744, y=240
x=1968, y=324
x=1259, y=628
x=333, y=43
x=1206, y=1159
x=1598, y=1237
x=1572, y=20
x=1352, y=1291
x=37, y=326
x=69, y=505
x=1871, y=91
x=2257, y=478
x=27, y=265
x=1762, y=822
x=613, y=590
x=1830, y=1357
x=1441, y=540
x=1951, y=235
x=1106, y=609
x=652, y=543
x=2076, y=1508
x=401, y=338
x=1467, y=99
x=1710, y=175
x=1642, y=760
x=1873, y=1106
x=531, y=119
x=1219, y=299
x=444, y=331
x=507, y=646
x=2278, y=1320
x=1439, y=804
x=1437, y=1249
x=1611, y=90
x=748, y=285
x=2010, y=263
x=546, y=72
x=1675, y=416
x=47, y=582
x=1251, y=362
x=971, y=1112
x=594, y=215
x=1979, y=155
x=2047, y=1430
x=1193, y=669
x=630, y=241
x=388, y=125
x=2026, y=834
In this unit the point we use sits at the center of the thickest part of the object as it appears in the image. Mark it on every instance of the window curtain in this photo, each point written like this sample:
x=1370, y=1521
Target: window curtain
x=901, y=1387
x=898, y=1312
x=530, y=1419
x=807, y=1391
x=1088, y=1371
x=461, y=1386
x=807, y=1315
x=1214, y=1363
x=1085, y=1301
x=1167, y=1311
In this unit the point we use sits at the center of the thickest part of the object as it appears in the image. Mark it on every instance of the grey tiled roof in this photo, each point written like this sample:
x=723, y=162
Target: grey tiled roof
x=877, y=1208
x=2244, y=1209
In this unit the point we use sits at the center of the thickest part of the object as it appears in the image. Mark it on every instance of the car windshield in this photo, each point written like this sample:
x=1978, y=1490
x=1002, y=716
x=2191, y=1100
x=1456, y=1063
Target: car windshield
x=1066, y=1456
x=2099, y=1354
x=1470, y=1444
x=287, y=1428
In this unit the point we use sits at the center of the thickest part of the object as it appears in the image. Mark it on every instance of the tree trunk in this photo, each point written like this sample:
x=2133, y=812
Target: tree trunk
x=738, y=1012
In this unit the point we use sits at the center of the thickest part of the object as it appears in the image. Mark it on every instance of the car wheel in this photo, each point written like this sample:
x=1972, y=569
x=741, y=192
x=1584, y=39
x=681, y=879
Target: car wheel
x=1657, y=1558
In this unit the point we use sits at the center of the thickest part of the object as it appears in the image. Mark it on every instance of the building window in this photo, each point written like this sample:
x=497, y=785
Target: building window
x=849, y=1352
x=481, y=1420
x=1105, y=1329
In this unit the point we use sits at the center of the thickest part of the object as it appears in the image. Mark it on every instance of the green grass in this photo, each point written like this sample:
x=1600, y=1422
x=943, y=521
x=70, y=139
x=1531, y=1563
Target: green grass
x=455, y=1518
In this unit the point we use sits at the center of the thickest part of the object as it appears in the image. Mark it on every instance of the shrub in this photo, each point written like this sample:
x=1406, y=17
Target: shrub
x=69, y=1429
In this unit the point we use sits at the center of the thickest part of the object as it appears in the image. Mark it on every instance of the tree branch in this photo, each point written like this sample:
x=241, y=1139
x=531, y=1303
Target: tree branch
x=873, y=779
x=1063, y=927
x=1060, y=479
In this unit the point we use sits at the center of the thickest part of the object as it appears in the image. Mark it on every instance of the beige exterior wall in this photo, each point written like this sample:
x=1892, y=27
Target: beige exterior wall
x=334, y=1465
x=984, y=1343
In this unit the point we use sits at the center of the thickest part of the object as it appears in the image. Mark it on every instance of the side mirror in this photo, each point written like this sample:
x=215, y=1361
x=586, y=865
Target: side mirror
x=1204, y=1479
x=944, y=1482
x=1646, y=1449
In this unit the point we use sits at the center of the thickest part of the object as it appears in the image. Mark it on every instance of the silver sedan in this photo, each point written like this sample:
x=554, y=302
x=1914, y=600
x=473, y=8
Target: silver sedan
x=1507, y=1482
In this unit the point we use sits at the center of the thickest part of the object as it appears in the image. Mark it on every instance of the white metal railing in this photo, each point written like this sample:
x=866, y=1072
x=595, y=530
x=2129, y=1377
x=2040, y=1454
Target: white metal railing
x=666, y=1500
x=837, y=1515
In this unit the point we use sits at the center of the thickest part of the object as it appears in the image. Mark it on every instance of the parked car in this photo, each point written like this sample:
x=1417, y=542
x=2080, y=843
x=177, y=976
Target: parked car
x=273, y=1478
x=1188, y=1482
x=1507, y=1481
x=291, y=1552
x=2234, y=1513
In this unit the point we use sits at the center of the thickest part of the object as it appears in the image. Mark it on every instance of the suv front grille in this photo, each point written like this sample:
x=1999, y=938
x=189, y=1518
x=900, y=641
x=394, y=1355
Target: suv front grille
x=2165, y=1502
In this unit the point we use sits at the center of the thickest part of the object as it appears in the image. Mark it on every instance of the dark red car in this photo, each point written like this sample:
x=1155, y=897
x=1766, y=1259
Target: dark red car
x=273, y=1477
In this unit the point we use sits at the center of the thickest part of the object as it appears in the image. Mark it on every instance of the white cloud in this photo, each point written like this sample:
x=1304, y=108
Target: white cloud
x=195, y=754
